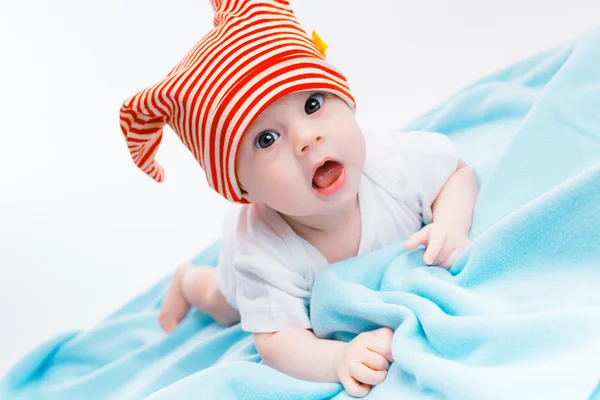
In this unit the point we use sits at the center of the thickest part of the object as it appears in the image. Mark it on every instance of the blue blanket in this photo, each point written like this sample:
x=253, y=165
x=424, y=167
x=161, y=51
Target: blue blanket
x=518, y=315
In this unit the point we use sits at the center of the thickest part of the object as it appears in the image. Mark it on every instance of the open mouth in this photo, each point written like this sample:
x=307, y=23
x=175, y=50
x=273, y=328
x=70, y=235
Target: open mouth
x=329, y=178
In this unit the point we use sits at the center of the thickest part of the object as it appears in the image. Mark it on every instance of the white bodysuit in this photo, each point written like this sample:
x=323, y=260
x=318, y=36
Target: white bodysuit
x=266, y=271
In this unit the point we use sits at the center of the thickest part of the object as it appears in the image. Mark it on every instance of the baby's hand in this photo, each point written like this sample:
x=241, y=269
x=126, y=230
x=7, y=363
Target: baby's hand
x=444, y=244
x=363, y=362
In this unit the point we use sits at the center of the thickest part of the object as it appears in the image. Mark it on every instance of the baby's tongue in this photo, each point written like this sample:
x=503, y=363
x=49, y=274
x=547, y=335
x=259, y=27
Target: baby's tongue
x=326, y=174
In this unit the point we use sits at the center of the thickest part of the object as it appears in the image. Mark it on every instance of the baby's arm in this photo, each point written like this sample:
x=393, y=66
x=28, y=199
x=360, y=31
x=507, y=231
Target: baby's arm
x=448, y=235
x=358, y=365
x=455, y=203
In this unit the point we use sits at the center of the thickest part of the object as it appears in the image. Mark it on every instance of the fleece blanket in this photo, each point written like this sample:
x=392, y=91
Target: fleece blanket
x=517, y=316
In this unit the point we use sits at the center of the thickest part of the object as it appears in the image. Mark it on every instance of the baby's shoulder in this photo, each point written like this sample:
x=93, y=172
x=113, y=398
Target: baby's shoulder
x=383, y=165
x=408, y=142
x=256, y=231
x=252, y=221
x=408, y=152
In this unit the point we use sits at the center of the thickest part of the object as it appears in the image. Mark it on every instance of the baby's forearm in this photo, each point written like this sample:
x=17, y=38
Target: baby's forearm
x=456, y=201
x=299, y=353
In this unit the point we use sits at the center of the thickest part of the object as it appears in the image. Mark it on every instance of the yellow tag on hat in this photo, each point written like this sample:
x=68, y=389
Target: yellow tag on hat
x=321, y=45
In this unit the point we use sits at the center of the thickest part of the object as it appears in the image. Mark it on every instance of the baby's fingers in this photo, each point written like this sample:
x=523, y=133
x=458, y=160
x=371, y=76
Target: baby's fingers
x=417, y=239
x=451, y=258
x=382, y=343
x=364, y=374
x=354, y=387
x=444, y=253
x=435, y=245
x=375, y=361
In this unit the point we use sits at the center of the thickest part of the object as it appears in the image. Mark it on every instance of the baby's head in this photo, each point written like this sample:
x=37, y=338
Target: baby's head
x=302, y=156
x=260, y=109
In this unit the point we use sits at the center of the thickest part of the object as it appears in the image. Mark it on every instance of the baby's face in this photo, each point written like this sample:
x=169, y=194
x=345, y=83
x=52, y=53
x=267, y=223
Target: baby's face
x=303, y=156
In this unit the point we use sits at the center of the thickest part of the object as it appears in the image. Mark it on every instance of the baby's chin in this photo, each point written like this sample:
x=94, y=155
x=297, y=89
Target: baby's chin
x=309, y=204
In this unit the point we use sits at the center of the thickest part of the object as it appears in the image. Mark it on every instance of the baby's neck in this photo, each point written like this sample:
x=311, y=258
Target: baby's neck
x=310, y=226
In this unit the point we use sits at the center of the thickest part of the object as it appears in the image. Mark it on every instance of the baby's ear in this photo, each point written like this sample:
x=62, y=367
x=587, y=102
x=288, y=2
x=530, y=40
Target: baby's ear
x=246, y=196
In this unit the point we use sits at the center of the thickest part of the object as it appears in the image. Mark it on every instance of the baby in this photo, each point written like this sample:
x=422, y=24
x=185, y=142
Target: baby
x=272, y=124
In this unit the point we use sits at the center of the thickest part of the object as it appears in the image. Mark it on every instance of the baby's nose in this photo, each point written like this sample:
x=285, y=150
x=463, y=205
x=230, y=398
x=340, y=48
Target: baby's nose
x=305, y=142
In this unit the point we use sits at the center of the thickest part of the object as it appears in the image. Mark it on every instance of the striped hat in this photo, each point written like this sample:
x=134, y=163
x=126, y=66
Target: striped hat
x=256, y=54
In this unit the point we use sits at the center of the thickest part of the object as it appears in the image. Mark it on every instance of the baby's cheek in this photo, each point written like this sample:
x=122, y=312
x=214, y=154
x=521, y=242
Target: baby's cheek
x=289, y=193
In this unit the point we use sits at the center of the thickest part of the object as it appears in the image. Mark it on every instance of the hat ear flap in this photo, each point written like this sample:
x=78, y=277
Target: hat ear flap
x=143, y=129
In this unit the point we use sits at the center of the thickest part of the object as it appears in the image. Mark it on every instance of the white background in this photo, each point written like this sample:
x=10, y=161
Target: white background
x=82, y=230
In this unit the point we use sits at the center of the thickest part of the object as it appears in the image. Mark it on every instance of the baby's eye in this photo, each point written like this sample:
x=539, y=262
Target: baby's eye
x=265, y=139
x=314, y=102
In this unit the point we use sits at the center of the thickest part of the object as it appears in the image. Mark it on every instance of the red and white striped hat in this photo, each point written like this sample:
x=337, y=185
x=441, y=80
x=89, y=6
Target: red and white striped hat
x=256, y=54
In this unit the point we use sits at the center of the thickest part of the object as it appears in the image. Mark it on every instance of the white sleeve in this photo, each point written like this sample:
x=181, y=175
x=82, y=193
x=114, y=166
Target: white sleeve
x=430, y=159
x=265, y=306
x=271, y=291
x=225, y=276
